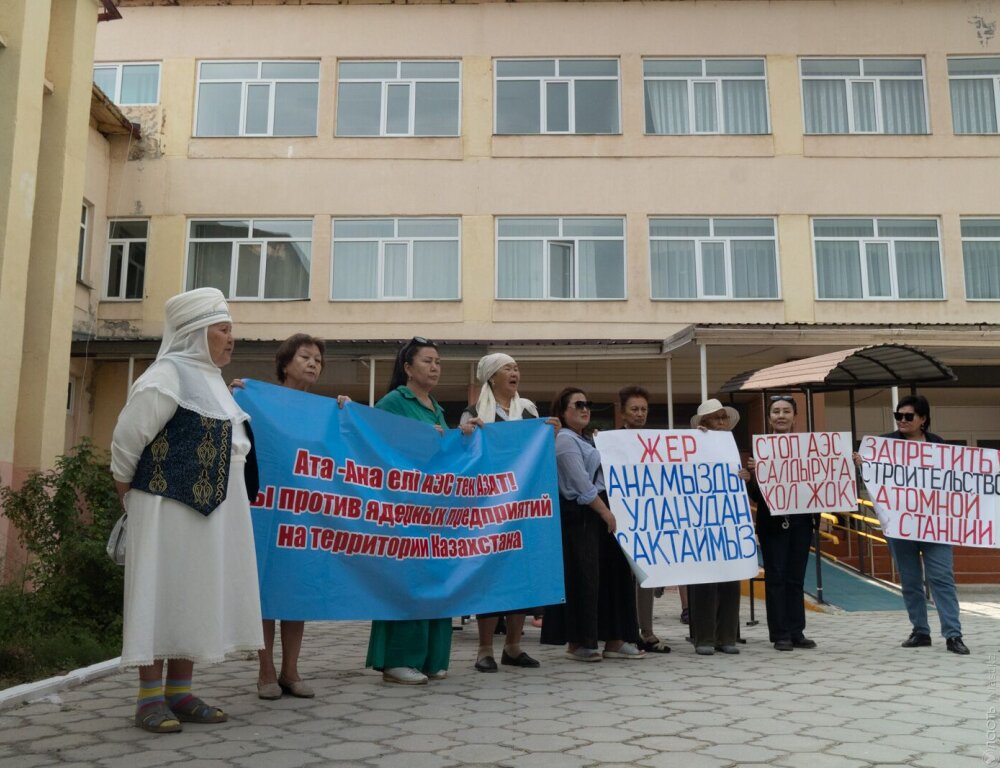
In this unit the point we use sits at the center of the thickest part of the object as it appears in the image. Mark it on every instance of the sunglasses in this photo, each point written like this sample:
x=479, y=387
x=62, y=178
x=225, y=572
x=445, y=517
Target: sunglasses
x=781, y=398
x=583, y=405
x=903, y=416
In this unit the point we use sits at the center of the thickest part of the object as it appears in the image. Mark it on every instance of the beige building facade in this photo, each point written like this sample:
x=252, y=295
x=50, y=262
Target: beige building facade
x=667, y=193
x=46, y=96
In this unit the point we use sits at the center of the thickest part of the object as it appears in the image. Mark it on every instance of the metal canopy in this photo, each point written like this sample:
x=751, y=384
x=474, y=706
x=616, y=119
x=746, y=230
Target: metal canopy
x=881, y=365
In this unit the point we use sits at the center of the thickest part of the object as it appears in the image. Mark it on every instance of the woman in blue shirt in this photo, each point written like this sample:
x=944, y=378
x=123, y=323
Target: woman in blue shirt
x=600, y=588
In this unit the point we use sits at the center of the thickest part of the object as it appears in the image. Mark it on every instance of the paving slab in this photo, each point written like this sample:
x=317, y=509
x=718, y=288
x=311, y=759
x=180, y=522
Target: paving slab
x=846, y=704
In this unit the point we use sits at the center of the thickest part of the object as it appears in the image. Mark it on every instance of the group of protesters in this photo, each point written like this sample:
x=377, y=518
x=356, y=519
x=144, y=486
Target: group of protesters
x=183, y=457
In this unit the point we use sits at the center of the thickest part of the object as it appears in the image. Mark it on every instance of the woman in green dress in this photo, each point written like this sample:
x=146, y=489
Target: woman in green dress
x=413, y=651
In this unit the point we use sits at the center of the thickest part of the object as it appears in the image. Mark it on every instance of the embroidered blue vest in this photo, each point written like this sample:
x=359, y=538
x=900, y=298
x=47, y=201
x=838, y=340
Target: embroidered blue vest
x=188, y=461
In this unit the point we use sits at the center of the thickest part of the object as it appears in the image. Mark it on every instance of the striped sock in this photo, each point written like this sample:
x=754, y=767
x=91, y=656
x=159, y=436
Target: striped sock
x=149, y=693
x=178, y=692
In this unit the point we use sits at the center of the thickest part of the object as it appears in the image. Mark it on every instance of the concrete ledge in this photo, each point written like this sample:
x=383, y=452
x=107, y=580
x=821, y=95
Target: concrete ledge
x=21, y=694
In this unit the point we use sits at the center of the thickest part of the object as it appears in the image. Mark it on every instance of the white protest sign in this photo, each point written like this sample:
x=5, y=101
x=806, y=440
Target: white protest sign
x=806, y=472
x=933, y=491
x=682, y=510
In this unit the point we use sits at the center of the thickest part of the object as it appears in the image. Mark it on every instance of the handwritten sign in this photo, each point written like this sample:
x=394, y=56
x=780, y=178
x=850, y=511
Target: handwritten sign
x=806, y=472
x=681, y=508
x=363, y=514
x=933, y=491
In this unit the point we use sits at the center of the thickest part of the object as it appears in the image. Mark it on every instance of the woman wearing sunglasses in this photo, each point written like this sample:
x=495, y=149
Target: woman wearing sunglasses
x=784, y=546
x=411, y=652
x=917, y=560
x=600, y=589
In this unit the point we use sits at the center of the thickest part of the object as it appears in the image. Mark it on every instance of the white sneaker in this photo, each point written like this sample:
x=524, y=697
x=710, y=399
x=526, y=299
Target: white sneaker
x=404, y=676
x=626, y=651
x=441, y=674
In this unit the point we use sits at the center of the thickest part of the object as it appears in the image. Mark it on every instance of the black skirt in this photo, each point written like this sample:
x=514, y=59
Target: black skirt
x=600, y=587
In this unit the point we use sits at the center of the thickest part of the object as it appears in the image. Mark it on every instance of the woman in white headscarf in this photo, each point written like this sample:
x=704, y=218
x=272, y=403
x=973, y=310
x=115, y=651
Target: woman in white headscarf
x=500, y=401
x=178, y=456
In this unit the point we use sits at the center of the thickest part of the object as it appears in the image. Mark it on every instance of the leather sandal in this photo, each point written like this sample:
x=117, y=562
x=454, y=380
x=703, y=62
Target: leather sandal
x=157, y=718
x=296, y=688
x=194, y=710
x=268, y=691
x=653, y=644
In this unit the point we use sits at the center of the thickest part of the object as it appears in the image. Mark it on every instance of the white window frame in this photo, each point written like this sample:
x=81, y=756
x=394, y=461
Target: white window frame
x=878, y=240
x=235, y=244
x=245, y=85
x=543, y=81
x=967, y=239
x=717, y=80
x=727, y=241
x=126, y=242
x=396, y=239
x=996, y=95
x=118, y=66
x=83, y=244
x=560, y=239
x=411, y=82
x=876, y=81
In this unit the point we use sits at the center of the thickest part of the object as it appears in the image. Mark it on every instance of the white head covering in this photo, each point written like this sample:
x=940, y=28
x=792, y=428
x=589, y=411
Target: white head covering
x=711, y=406
x=486, y=406
x=183, y=370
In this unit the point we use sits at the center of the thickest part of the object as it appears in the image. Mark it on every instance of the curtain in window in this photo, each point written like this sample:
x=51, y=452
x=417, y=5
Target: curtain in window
x=359, y=109
x=982, y=269
x=755, y=269
x=864, y=107
x=596, y=106
x=666, y=106
x=355, y=270
x=903, y=106
x=295, y=109
x=519, y=106
x=519, y=269
x=601, y=266
x=745, y=106
x=208, y=266
x=105, y=79
x=838, y=270
x=435, y=109
x=286, y=275
x=395, y=262
x=877, y=262
x=918, y=270
x=825, y=106
x=706, y=118
x=673, y=269
x=139, y=83
x=713, y=269
x=973, y=106
x=219, y=109
x=435, y=269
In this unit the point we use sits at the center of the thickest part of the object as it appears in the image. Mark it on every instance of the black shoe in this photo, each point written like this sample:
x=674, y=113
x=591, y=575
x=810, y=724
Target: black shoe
x=783, y=645
x=803, y=642
x=486, y=664
x=955, y=645
x=521, y=660
x=917, y=640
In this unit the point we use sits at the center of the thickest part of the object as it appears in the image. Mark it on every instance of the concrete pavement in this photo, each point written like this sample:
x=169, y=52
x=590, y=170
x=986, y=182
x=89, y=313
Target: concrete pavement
x=857, y=700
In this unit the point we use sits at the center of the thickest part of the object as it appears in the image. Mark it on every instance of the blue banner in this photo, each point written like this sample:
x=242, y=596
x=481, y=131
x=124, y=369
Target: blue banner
x=363, y=514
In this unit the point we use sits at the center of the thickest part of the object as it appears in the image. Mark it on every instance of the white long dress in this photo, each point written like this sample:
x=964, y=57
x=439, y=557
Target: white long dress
x=190, y=581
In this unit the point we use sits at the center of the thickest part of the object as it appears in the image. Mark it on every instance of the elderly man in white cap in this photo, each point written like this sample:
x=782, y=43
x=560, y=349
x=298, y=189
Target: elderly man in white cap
x=500, y=401
x=715, y=608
